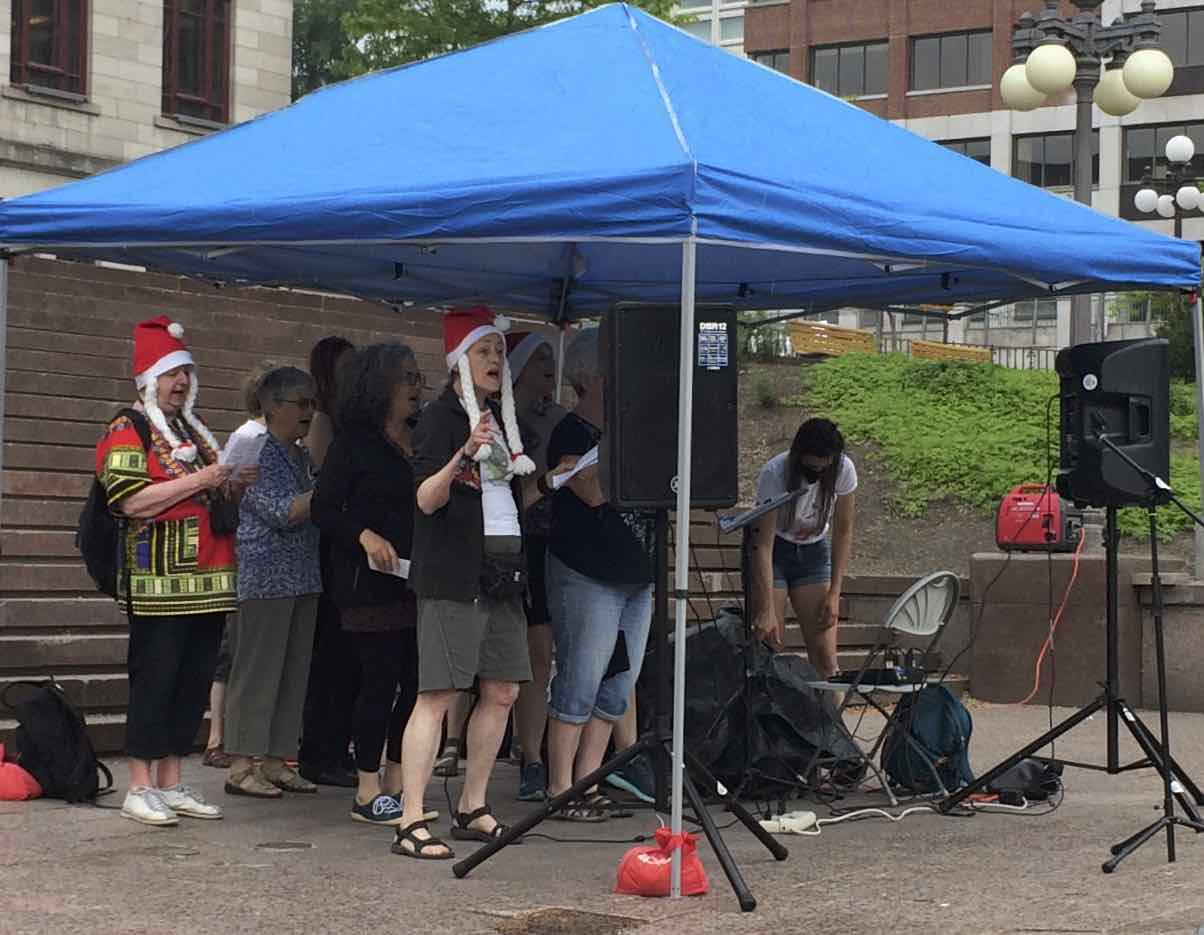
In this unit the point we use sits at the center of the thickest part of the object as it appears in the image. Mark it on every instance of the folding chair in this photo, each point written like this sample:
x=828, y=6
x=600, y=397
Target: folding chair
x=921, y=611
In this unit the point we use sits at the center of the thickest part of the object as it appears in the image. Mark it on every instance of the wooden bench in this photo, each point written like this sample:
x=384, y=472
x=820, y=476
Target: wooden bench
x=812, y=337
x=934, y=350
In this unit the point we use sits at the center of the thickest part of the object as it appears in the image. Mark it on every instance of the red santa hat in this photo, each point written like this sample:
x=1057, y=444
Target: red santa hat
x=521, y=347
x=462, y=328
x=159, y=347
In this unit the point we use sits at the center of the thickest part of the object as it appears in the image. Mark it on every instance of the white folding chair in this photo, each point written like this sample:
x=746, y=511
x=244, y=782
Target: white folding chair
x=921, y=611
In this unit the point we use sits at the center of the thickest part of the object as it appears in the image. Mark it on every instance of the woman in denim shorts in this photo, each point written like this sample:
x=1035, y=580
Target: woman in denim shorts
x=802, y=550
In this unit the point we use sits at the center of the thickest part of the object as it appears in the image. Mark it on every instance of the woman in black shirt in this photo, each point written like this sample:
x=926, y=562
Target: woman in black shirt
x=599, y=581
x=364, y=503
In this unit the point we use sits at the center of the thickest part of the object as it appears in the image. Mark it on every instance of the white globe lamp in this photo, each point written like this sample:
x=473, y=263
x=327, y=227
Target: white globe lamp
x=1050, y=68
x=1188, y=197
x=1111, y=95
x=1180, y=149
x=1017, y=93
x=1148, y=73
x=1166, y=206
x=1146, y=201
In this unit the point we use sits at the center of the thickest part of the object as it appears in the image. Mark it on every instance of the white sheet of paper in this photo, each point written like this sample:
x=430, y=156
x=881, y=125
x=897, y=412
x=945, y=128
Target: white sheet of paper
x=589, y=459
x=401, y=571
x=243, y=450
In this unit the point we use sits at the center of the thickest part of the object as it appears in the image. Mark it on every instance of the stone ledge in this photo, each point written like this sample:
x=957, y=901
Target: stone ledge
x=18, y=93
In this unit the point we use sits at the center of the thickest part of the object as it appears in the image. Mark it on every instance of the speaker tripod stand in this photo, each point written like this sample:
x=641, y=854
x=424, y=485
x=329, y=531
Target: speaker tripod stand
x=656, y=743
x=1176, y=784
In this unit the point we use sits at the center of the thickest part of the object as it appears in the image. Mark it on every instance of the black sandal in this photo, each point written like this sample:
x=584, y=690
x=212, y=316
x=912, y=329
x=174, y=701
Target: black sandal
x=418, y=851
x=604, y=803
x=462, y=832
x=583, y=810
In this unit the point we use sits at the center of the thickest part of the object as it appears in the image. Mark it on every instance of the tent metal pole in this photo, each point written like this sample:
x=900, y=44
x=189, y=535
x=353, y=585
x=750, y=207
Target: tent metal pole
x=3, y=360
x=564, y=327
x=681, y=572
x=1197, y=331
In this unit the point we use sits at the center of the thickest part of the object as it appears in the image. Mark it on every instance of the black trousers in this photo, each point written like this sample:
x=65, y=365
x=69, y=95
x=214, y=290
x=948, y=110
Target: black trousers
x=170, y=662
x=388, y=690
x=333, y=685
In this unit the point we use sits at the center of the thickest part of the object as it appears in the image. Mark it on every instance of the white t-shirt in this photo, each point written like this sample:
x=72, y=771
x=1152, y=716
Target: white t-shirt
x=497, y=500
x=803, y=525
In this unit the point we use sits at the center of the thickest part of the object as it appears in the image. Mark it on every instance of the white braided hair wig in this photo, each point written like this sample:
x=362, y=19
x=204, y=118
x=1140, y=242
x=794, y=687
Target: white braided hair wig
x=149, y=393
x=520, y=463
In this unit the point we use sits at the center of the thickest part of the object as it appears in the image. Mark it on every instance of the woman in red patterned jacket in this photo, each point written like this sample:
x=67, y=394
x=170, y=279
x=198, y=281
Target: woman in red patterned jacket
x=177, y=577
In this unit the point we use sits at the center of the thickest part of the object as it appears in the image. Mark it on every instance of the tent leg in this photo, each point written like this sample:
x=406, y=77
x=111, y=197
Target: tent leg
x=3, y=359
x=681, y=572
x=1197, y=331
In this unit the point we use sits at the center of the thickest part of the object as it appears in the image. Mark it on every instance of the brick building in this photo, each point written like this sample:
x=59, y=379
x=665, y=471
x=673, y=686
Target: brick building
x=934, y=67
x=94, y=83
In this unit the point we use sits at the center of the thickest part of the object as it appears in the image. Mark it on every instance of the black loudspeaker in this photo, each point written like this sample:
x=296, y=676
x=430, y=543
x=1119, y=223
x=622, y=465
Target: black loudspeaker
x=1121, y=390
x=640, y=347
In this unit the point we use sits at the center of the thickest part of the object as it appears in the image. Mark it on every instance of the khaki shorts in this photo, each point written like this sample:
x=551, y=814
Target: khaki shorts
x=461, y=640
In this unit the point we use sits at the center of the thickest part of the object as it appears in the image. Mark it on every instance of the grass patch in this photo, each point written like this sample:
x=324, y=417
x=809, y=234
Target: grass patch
x=971, y=432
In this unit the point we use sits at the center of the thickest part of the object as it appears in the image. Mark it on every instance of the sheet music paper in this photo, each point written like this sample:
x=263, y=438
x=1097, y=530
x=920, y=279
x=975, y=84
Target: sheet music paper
x=589, y=459
x=401, y=571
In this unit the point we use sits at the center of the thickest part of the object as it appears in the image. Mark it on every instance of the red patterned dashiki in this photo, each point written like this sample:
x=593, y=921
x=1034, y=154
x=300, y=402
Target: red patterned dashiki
x=178, y=565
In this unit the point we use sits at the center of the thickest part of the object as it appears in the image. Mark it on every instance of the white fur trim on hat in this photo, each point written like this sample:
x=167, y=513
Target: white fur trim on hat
x=162, y=365
x=525, y=350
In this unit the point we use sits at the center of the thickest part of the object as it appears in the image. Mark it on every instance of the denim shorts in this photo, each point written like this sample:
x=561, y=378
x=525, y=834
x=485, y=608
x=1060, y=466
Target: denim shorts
x=587, y=617
x=796, y=565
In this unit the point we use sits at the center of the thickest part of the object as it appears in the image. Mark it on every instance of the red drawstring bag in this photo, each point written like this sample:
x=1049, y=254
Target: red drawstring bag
x=16, y=784
x=645, y=870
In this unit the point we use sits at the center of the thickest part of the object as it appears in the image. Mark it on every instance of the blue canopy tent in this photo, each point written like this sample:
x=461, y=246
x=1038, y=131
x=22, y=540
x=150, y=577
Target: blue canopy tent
x=602, y=159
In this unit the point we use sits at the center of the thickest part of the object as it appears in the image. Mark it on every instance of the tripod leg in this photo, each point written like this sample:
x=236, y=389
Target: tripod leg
x=1129, y=846
x=743, y=895
x=463, y=867
x=746, y=818
x=1155, y=754
x=946, y=804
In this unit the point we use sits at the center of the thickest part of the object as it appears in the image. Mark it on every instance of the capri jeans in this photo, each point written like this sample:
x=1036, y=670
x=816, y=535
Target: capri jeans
x=587, y=617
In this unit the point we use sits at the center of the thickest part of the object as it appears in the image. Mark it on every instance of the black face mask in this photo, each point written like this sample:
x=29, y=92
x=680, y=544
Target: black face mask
x=810, y=475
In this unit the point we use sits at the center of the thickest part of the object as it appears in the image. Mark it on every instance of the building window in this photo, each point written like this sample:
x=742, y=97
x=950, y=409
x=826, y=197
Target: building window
x=1047, y=160
x=778, y=61
x=979, y=150
x=1182, y=36
x=1145, y=150
x=1044, y=309
x=196, y=59
x=50, y=45
x=954, y=60
x=850, y=70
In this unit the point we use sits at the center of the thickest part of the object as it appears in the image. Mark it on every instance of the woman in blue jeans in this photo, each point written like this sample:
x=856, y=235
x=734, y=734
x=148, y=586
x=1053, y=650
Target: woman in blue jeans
x=599, y=582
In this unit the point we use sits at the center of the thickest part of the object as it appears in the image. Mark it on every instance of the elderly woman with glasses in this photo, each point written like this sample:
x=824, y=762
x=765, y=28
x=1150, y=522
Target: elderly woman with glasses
x=278, y=585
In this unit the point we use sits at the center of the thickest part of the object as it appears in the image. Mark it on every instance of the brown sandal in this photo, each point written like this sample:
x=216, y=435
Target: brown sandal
x=217, y=758
x=251, y=783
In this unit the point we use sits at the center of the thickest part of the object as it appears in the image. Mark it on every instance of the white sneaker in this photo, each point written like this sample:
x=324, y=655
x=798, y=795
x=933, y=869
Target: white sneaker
x=184, y=800
x=146, y=806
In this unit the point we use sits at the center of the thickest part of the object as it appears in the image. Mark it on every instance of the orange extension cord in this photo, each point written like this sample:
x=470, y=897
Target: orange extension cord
x=1053, y=624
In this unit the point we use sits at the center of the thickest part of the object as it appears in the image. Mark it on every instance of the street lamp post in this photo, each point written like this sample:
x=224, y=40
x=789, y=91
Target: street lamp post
x=1055, y=52
x=1169, y=197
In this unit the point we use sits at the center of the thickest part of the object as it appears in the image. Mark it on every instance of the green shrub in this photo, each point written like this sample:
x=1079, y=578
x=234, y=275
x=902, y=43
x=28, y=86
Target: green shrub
x=765, y=393
x=969, y=432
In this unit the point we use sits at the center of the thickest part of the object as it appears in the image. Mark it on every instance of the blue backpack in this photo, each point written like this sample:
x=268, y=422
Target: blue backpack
x=939, y=726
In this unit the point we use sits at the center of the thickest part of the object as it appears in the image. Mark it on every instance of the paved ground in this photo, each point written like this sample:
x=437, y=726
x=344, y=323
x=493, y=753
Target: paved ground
x=73, y=869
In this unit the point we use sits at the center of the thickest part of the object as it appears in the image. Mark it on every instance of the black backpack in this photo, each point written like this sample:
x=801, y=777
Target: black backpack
x=99, y=534
x=52, y=743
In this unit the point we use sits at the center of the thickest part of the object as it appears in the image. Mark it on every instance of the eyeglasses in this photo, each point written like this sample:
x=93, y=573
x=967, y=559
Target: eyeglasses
x=303, y=404
x=412, y=378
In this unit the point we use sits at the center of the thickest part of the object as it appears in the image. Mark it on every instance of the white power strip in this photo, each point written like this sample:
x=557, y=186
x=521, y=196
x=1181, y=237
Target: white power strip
x=790, y=823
